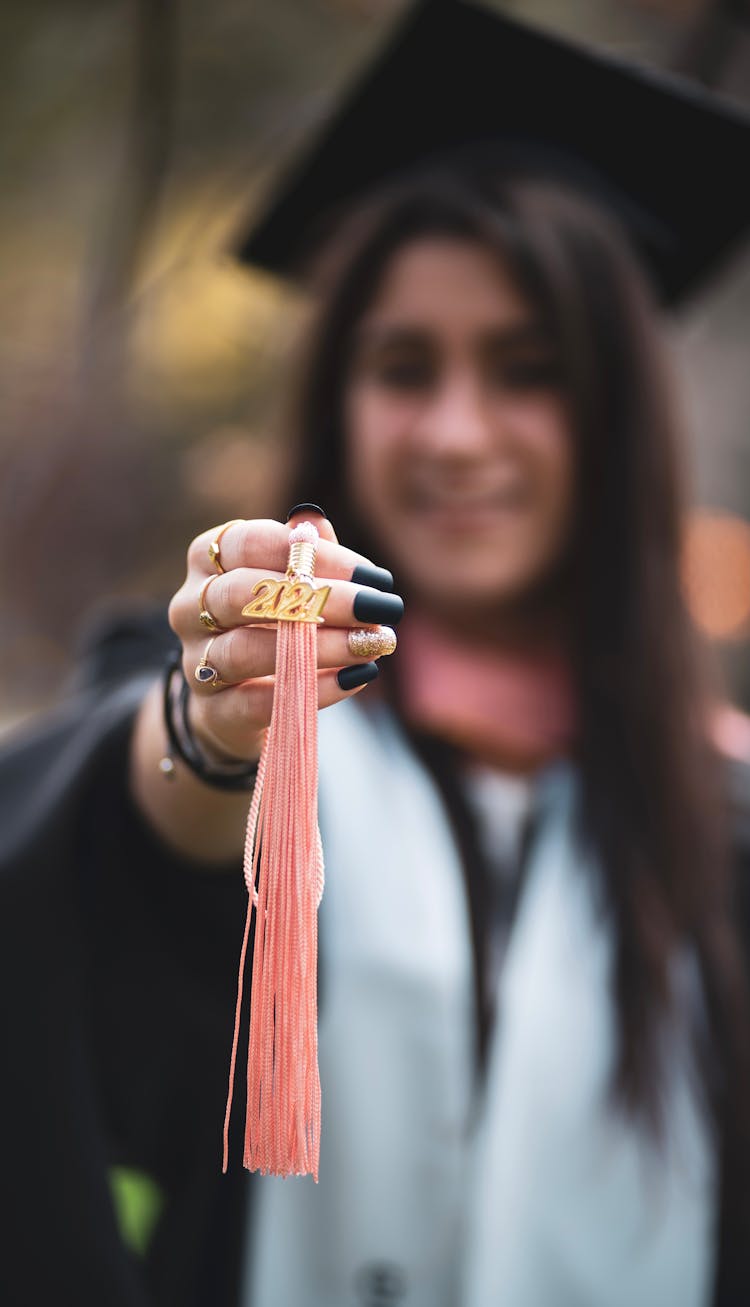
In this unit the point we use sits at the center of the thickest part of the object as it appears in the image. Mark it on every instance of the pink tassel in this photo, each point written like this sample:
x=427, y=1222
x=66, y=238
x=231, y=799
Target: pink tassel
x=284, y=877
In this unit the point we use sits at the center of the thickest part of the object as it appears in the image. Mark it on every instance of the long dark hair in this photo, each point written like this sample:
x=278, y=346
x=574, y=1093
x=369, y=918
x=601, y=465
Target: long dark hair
x=651, y=784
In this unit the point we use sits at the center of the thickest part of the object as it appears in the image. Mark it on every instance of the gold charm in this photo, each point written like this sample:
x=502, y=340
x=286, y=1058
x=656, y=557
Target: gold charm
x=286, y=601
x=296, y=598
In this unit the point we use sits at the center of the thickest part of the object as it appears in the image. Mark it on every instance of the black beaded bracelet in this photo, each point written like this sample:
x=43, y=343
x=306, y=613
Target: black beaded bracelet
x=229, y=776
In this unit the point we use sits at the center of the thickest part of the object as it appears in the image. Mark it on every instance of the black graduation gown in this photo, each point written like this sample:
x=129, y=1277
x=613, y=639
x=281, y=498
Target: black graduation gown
x=118, y=981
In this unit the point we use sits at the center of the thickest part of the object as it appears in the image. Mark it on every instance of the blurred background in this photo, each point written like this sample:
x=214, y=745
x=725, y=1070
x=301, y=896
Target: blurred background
x=142, y=370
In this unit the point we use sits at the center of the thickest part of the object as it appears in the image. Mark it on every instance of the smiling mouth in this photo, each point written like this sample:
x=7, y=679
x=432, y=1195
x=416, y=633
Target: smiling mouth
x=509, y=499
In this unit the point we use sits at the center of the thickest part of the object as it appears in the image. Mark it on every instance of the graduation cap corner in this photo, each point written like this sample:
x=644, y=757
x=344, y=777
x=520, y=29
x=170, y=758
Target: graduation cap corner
x=669, y=159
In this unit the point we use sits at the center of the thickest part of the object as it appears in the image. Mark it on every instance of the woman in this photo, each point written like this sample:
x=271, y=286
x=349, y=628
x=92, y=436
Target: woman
x=532, y=1048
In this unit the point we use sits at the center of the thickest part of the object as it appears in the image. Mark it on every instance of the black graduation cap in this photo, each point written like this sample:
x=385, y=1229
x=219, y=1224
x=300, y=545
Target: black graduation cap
x=672, y=161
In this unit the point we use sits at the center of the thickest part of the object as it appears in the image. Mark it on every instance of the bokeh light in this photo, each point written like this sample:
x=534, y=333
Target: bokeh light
x=716, y=573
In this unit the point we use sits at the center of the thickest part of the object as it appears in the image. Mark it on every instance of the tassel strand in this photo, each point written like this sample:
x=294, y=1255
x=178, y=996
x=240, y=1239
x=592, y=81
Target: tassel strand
x=283, y=868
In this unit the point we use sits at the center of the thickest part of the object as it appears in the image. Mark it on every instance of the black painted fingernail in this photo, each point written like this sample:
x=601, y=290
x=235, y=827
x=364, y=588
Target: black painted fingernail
x=350, y=678
x=306, y=508
x=378, y=577
x=378, y=608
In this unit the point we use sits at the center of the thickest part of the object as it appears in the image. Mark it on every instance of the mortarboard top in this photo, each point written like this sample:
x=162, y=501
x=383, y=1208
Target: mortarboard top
x=672, y=161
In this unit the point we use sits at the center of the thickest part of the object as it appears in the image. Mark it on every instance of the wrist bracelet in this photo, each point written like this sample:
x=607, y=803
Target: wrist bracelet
x=230, y=776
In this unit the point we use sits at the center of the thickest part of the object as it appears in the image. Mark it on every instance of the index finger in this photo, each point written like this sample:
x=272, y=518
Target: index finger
x=264, y=543
x=311, y=512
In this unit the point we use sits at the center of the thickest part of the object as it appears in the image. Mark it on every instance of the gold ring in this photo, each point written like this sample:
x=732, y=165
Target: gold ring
x=205, y=673
x=371, y=642
x=214, y=549
x=205, y=616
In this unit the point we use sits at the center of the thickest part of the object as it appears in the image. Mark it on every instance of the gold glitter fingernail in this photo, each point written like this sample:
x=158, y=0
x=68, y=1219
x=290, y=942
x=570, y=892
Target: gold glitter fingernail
x=372, y=642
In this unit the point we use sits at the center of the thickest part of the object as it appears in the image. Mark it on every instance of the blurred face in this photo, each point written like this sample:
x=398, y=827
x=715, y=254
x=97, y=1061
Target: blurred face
x=459, y=454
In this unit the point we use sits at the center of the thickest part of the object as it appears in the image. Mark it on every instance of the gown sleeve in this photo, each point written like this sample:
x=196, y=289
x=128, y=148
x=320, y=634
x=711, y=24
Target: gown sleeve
x=118, y=986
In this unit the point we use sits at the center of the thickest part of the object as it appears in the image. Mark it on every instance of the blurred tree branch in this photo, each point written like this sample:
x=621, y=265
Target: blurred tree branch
x=712, y=42
x=146, y=156
x=80, y=508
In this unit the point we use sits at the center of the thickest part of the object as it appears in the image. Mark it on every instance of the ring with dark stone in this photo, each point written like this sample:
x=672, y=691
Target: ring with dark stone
x=205, y=673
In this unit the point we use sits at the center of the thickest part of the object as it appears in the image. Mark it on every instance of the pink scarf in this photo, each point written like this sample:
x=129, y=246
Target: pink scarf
x=514, y=711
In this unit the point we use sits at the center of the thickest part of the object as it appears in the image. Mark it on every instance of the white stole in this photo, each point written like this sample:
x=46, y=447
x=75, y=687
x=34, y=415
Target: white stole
x=571, y=1205
x=531, y=1194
